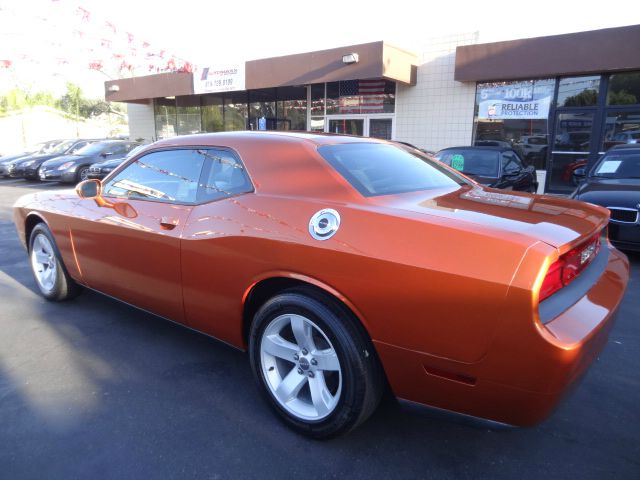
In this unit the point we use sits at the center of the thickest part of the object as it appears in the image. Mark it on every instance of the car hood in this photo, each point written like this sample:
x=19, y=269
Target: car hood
x=553, y=220
x=39, y=158
x=109, y=163
x=15, y=156
x=611, y=192
x=57, y=161
x=482, y=180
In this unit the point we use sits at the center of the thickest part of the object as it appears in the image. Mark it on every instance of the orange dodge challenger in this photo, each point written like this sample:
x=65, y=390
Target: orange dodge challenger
x=343, y=264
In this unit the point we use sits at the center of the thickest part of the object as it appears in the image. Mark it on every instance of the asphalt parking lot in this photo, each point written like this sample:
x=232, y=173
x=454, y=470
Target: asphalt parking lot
x=96, y=389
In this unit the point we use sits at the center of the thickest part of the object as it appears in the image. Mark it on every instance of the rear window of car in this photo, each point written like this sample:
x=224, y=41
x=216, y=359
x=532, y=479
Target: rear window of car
x=483, y=163
x=380, y=169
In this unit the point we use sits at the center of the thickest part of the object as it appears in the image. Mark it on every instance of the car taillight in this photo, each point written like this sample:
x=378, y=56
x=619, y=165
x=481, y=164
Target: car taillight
x=564, y=270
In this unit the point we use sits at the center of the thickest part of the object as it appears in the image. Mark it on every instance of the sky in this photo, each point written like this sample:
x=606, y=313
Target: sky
x=47, y=40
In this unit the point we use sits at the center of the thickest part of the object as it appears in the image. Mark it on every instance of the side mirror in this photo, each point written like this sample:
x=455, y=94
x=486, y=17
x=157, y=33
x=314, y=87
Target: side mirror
x=513, y=173
x=580, y=172
x=106, y=154
x=92, y=189
x=89, y=189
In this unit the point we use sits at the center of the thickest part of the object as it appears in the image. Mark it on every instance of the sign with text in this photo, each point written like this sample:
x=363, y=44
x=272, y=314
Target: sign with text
x=224, y=78
x=524, y=100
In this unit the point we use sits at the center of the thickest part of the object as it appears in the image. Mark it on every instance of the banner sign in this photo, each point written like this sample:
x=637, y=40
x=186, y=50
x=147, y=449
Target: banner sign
x=224, y=78
x=524, y=100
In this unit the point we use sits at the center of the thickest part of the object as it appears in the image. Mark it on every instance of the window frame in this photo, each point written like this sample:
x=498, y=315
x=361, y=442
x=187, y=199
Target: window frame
x=203, y=171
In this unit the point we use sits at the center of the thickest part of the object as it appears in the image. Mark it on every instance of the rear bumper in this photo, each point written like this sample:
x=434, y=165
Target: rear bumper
x=523, y=377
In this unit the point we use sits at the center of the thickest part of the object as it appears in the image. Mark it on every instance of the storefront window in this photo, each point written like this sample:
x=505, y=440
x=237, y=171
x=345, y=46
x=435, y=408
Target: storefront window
x=360, y=97
x=317, y=100
x=516, y=113
x=212, y=113
x=188, y=115
x=624, y=89
x=235, y=111
x=165, y=117
x=621, y=128
x=578, y=91
x=291, y=108
x=262, y=104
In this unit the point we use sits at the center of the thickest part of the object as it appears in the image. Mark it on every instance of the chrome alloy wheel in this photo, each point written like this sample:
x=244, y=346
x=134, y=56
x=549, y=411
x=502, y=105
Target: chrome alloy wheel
x=43, y=262
x=301, y=367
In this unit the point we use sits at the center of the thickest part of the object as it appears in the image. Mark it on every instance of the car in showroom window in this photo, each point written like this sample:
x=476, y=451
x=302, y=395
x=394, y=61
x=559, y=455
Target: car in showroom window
x=343, y=266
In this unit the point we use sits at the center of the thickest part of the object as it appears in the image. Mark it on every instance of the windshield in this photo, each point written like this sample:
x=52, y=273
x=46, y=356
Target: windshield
x=483, y=163
x=618, y=164
x=92, y=149
x=382, y=169
x=62, y=147
x=47, y=147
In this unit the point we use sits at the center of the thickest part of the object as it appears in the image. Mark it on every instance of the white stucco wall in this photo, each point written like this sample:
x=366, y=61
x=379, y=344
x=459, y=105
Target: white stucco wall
x=141, y=121
x=438, y=111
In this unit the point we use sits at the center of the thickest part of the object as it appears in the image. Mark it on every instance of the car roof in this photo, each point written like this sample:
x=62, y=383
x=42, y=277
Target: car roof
x=281, y=163
x=221, y=138
x=626, y=146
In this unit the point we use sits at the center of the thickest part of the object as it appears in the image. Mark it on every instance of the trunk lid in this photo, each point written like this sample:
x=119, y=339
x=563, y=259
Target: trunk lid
x=553, y=220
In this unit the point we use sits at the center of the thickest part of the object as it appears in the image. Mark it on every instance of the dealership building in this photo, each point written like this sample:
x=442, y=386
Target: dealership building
x=560, y=100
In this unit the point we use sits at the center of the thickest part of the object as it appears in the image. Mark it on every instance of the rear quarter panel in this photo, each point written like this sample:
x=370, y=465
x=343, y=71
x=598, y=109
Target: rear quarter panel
x=430, y=286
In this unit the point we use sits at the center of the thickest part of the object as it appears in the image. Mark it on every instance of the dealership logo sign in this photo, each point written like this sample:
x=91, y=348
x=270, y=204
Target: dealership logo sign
x=219, y=78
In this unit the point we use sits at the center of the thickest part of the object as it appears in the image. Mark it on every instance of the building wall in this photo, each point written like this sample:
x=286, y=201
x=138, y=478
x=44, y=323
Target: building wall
x=438, y=111
x=141, y=121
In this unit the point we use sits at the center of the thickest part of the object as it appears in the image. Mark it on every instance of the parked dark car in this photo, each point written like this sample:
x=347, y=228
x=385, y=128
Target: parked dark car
x=74, y=168
x=40, y=148
x=614, y=182
x=29, y=167
x=102, y=169
x=496, y=167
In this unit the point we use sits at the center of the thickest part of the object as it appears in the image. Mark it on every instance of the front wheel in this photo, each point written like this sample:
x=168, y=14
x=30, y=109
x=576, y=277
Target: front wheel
x=52, y=279
x=83, y=174
x=315, y=365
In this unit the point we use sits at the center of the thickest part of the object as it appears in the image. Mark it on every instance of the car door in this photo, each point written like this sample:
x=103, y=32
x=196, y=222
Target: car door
x=133, y=253
x=212, y=250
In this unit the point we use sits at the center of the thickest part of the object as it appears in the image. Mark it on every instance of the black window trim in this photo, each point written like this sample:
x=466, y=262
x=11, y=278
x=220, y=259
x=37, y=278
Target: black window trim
x=143, y=153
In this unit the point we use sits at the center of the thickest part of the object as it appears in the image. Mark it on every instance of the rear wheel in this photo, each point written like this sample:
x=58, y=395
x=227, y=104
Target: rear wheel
x=315, y=366
x=51, y=277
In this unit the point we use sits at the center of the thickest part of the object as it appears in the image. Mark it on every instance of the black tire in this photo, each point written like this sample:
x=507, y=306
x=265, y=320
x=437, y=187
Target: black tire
x=63, y=286
x=361, y=373
x=82, y=172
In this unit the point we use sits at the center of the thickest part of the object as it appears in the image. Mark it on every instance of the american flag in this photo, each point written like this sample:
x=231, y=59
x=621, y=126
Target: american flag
x=362, y=96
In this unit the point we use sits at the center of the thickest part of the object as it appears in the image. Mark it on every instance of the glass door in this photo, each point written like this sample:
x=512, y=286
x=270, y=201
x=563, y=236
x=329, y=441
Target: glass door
x=363, y=125
x=381, y=128
x=347, y=126
x=574, y=144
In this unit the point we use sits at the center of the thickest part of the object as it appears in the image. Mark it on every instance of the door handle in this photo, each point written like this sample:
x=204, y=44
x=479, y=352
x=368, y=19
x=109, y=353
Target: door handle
x=169, y=223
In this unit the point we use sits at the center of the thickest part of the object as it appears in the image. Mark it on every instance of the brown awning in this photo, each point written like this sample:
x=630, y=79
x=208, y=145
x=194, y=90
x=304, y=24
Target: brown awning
x=610, y=49
x=149, y=86
x=375, y=60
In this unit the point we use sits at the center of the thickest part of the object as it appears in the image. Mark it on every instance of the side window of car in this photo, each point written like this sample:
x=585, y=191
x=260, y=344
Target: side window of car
x=78, y=146
x=119, y=149
x=169, y=175
x=224, y=176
